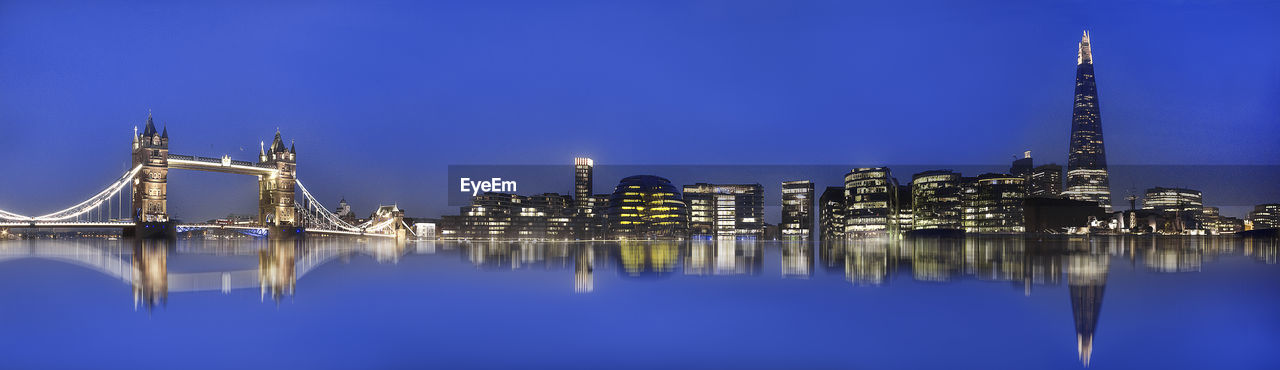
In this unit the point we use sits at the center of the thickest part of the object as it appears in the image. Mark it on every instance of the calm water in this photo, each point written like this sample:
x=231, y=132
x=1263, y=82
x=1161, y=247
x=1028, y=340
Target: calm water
x=1108, y=303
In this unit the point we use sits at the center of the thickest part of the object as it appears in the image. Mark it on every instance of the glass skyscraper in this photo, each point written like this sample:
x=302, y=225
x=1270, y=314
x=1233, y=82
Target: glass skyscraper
x=1087, y=177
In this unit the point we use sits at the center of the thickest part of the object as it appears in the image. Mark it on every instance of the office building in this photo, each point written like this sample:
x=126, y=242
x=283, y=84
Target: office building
x=1022, y=167
x=935, y=199
x=871, y=197
x=725, y=210
x=1087, y=176
x=993, y=204
x=647, y=207
x=1173, y=200
x=1265, y=216
x=1184, y=207
x=797, y=209
x=831, y=213
x=583, y=173
x=1045, y=181
x=547, y=216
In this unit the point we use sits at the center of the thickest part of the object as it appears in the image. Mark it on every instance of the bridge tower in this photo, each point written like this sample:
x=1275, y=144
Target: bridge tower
x=275, y=192
x=150, y=187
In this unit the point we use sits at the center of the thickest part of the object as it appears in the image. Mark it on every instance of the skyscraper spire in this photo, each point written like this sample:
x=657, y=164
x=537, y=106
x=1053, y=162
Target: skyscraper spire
x=1085, y=54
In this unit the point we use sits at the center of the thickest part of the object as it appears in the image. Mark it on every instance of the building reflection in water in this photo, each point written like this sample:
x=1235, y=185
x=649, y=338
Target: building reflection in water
x=1087, y=280
x=654, y=258
x=276, y=269
x=722, y=257
x=797, y=259
x=583, y=267
x=150, y=278
x=1023, y=263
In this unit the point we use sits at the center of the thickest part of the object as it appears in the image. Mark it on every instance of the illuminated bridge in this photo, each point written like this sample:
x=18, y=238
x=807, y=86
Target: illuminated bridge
x=281, y=212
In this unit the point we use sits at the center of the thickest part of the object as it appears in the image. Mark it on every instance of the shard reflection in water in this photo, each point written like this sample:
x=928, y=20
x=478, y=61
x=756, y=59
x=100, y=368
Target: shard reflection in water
x=1087, y=278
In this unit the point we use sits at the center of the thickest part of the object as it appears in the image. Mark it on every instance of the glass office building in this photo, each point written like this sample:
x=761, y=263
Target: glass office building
x=1045, y=181
x=725, y=210
x=797, y=209
x=647, y=207
x=935, y=199
x=871, y=199
x=993, y=204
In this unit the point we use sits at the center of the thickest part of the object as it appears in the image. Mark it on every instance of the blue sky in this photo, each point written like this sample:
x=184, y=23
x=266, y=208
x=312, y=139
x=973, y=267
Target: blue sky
x=383, y=96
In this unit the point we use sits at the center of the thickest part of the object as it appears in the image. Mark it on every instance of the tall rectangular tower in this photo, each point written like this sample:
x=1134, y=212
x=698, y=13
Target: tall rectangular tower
x=797, y=209
x=150, y=187
x=583, y=169
x=1087, y=177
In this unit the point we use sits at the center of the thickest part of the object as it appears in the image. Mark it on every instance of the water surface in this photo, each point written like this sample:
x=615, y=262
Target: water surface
x=328, y=303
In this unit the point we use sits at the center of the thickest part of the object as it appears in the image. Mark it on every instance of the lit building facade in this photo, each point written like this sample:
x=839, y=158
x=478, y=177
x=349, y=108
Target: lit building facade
x=1045, y=181
x=1173, y=200
x=935, y=199
x=797, y=209
x=547, y=216
x=647, y=207
x=1087, y=177
x=1265, y=216
x=583, y=174
x=1184, y=207
x=993, y=204
x=871, y=198
x=831, y=213
x=725, y=211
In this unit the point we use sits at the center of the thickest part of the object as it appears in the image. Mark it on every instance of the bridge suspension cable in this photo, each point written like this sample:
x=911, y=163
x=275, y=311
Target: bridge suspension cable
x=73, y=213
x=319, y=217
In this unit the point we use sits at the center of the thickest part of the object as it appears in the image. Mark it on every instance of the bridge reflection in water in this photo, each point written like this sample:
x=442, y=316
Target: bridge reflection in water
x=1023, y=263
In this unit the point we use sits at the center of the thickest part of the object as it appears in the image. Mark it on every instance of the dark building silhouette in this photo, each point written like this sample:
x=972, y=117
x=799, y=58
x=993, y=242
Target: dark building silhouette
x=1022, y=166
x=905, y=216
x=831, y=213
x=1087, y=177
x=1054, y=215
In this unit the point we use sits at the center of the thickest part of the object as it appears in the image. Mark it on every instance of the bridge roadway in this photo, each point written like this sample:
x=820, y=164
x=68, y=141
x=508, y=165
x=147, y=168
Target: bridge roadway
x=116, y=262
x=224, y=165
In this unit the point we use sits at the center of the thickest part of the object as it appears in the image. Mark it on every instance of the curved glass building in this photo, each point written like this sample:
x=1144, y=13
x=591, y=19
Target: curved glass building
x=647, y=207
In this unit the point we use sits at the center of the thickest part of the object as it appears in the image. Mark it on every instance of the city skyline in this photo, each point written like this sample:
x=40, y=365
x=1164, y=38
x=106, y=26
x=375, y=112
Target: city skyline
x=724, y=184
x=1150, y=74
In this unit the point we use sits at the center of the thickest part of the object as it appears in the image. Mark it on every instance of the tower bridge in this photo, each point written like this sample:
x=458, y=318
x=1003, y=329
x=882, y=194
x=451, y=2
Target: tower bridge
x=282, y=213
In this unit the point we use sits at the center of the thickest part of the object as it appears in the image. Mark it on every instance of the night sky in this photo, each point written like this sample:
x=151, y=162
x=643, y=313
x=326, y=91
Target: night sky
x=382, y=97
